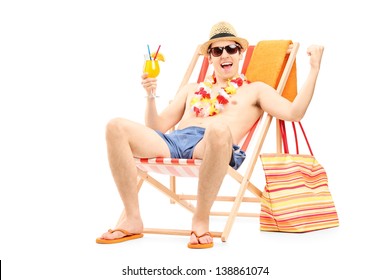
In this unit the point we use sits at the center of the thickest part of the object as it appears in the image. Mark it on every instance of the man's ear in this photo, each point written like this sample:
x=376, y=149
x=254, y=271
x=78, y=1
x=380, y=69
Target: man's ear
x=209, y=59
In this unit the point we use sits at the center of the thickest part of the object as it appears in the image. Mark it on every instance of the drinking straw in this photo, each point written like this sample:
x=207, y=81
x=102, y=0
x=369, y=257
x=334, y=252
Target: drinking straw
x=155, y=56
x=150, y=57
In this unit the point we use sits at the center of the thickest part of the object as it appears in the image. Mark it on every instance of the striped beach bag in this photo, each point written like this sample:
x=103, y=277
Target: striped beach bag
x=296, y=197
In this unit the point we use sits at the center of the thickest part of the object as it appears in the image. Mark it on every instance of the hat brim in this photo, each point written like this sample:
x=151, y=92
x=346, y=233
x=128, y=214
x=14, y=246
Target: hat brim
x=205, y=46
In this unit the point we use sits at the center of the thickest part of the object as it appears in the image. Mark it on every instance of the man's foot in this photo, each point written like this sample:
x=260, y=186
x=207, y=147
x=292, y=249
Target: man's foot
x=116, y=236
x=200, y=241
x=125, y=230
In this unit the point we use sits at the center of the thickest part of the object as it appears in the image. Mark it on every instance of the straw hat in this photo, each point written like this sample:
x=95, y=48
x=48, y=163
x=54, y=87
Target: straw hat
x=223, y=31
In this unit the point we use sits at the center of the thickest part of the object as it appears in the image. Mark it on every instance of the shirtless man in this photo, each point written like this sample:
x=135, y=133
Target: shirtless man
x=215, y=127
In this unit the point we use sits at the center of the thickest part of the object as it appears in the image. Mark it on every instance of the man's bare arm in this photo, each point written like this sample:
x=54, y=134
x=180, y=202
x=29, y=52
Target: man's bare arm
x=302, y=100
x=171, y=115
x=280, y=107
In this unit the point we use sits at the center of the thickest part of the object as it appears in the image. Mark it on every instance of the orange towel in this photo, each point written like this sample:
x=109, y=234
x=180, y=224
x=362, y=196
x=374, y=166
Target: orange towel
x=266, y=64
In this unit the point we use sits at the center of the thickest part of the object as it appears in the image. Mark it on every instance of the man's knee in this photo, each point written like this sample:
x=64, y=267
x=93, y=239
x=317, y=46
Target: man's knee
x=218, y=134
x=115, y=127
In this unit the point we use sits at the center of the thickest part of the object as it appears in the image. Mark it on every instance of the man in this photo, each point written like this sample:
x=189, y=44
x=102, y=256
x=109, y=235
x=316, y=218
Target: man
x=212, y=118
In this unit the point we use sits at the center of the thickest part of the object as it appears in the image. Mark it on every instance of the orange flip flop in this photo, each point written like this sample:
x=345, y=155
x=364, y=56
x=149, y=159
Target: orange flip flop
x=200, y=245
x=128, y=236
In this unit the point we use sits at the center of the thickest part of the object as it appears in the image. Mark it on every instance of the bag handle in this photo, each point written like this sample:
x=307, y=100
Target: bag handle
x=284, y=136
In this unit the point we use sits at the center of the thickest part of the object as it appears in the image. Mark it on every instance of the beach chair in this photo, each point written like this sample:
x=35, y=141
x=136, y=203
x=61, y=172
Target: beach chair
x=272, y=62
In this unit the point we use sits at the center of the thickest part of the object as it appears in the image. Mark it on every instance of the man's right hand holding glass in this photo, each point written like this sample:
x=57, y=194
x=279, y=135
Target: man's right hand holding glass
x=150, y=85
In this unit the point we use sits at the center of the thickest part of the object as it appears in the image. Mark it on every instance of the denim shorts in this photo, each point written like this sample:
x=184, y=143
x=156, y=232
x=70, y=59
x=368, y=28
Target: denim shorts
x=182, y=143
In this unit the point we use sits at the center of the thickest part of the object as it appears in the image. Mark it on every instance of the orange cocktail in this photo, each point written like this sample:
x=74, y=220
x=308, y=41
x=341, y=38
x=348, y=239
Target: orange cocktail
x=152, y=68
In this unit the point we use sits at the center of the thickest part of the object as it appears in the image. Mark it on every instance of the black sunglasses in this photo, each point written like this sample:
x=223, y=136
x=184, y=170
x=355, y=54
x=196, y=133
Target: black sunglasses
x=230, y=49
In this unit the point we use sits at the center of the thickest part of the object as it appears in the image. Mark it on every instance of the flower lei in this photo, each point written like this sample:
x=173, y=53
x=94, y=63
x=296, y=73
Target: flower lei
x=203, y=105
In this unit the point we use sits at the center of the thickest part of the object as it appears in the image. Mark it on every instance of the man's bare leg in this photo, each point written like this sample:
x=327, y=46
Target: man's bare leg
x=216, y=150
x=126, y=140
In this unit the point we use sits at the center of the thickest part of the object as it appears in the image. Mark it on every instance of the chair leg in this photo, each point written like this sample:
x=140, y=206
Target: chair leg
x=172, y=184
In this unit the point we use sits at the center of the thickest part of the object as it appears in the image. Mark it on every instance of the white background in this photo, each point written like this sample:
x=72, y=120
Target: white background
x=68, y=67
